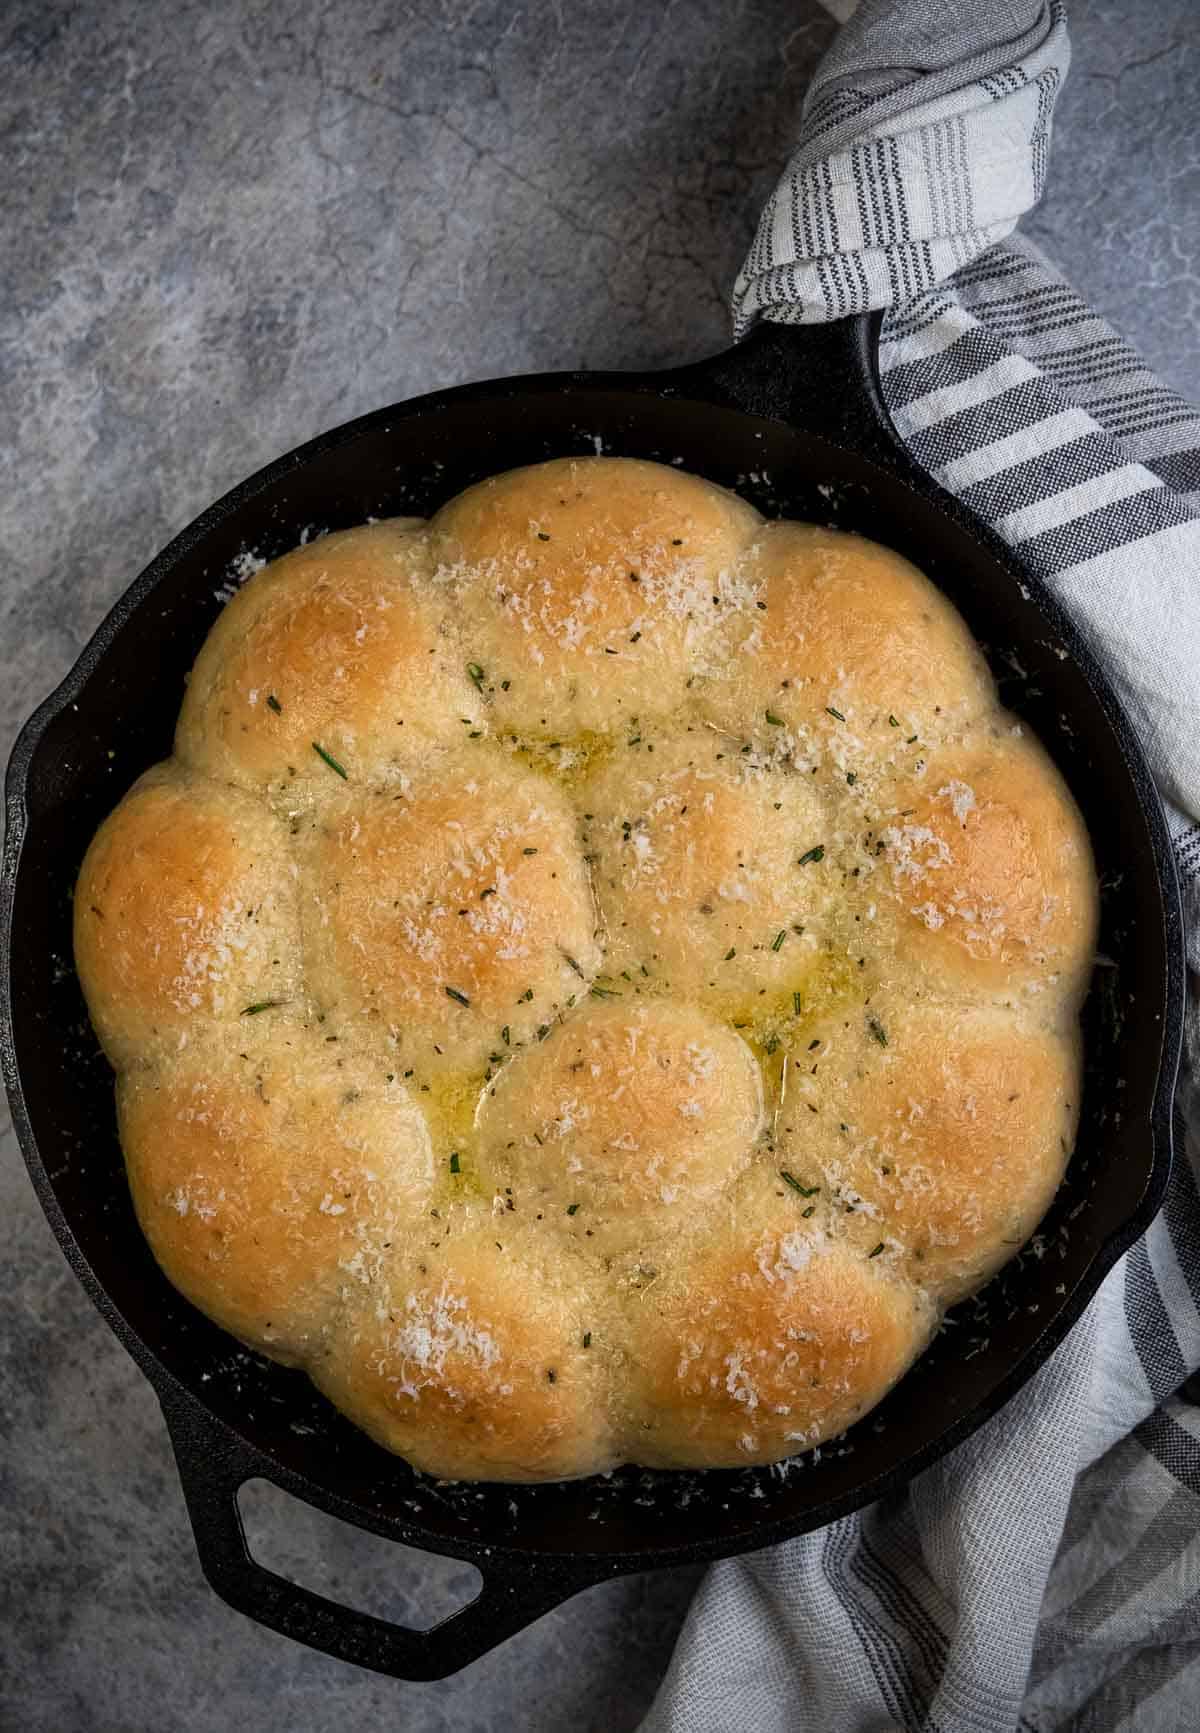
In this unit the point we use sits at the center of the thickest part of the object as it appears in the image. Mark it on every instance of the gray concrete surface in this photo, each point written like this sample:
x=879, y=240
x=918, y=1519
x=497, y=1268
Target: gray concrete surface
x=225, y=225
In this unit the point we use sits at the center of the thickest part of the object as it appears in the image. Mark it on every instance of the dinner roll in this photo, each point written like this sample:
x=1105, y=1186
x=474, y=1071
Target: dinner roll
x=845, y=637
x=444, y=913
x=753, y=1352
x=593, y=587
x=338, y=651
x=985, y=853
x=935, y=1134
x=625, y=1120
x=473, y=1369
x=184, y=915
x=698, y=861
x=272, y=1175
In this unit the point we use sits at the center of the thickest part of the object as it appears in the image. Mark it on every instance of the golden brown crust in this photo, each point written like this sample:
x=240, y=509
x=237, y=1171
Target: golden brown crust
x=935, y=1132
x=842, y=624
x=625, y=1120
x=595, y=586
x=273, y=1181
x=758, y=1352
x=695, y=850
x=598, y=977
x=986, y=854
x=182, y=915
x=473, y=1370
x=448, y=911
x=339, y=644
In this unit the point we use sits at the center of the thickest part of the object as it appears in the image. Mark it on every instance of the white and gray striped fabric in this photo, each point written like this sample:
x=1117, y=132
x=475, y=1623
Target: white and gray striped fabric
x=1046, y=1574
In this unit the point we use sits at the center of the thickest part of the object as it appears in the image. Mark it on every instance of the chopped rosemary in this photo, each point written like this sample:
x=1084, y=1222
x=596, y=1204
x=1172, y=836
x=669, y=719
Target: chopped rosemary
x=771, y=1046
x=528, y=851
x=730, y=954
x=330, y=760
x=459, y=998
x=526, y=996
x=599, y=992
x=571, y=1208
x=877, y=1250
x=911, y=741
x=804, y=1190
x=892, y=722
x=505, y=1036
x=836, y=714
x=475, y=674
x=811, y=855
x=504, y=685
x=261, y=1005
x=797, y=1004
x=777, y=941
x=454, y=1163
x=851, y=777
x=877, y=1030
x=274, y=704
x=775, y=721
x=811, y=1210
x=569, y=960
x=587, y=1338
x=542, y=536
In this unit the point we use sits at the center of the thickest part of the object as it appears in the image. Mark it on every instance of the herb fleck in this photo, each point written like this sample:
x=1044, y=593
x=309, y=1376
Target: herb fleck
x=274, y=704
x=571, y=1208
x=812, y=855
x=836, y=714
x=777, y=941
x=459, y=998
x=261, y=1005
x=455, y=1166
x=330, y=760
x=877, y=1030
x=804, y=1190
x=775, y=721
x=475, y=673
x=875, y=1253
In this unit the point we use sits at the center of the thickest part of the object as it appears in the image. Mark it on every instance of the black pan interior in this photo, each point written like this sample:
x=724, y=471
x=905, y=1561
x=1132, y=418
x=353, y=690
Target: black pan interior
x=116, y=717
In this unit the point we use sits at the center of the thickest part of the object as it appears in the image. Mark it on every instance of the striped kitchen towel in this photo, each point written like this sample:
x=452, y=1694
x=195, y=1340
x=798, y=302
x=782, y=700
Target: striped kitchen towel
x=1047, y=1573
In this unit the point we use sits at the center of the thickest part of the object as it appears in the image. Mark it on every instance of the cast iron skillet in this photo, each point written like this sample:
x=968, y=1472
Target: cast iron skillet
x=793, y=418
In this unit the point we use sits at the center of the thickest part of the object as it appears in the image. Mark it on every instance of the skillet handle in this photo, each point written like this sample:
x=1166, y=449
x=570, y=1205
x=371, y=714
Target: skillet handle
x=823, y=379
x=213, y=1465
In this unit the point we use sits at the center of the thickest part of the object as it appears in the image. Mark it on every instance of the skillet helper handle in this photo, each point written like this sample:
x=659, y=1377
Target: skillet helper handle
x=213, y=1465
x=823, y=379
